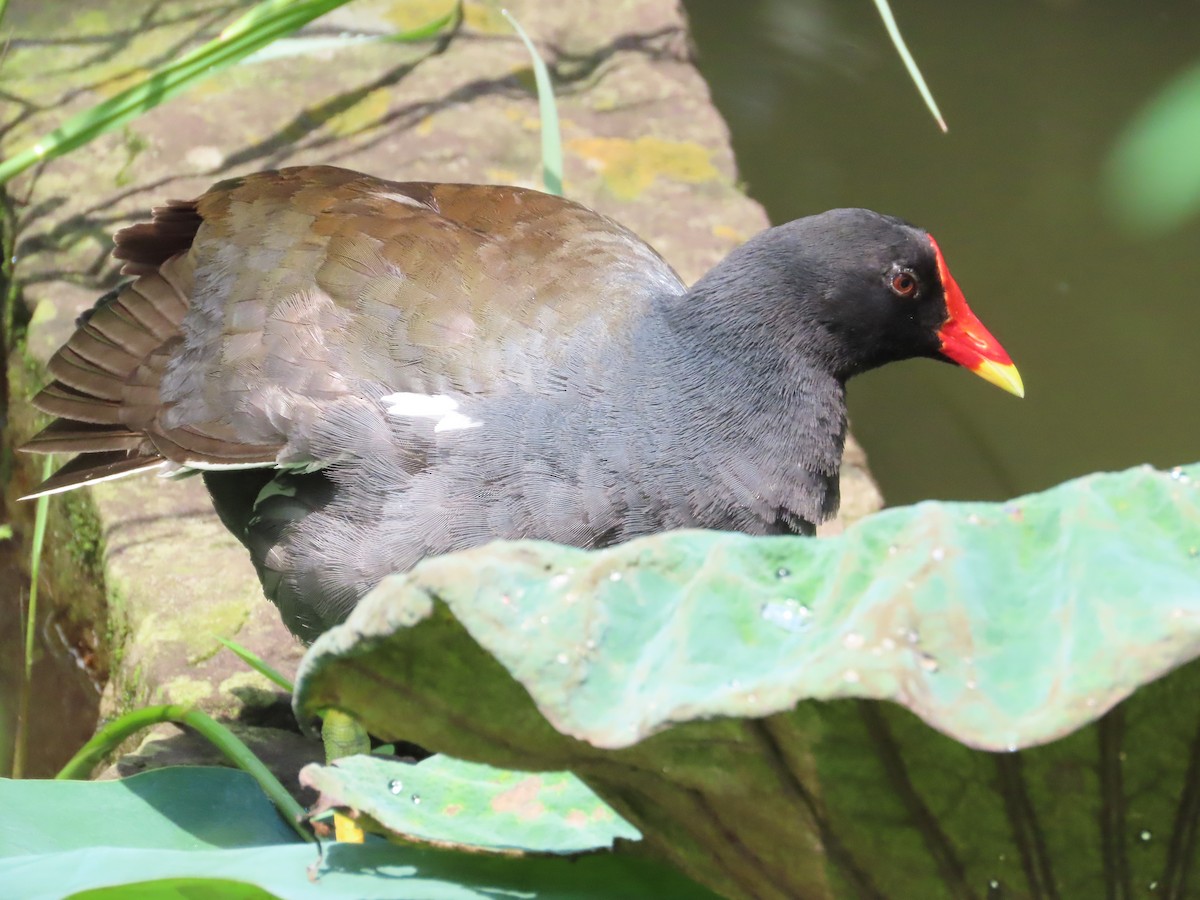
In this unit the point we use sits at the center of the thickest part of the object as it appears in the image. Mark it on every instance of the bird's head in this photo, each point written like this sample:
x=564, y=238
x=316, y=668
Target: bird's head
x=852, y=289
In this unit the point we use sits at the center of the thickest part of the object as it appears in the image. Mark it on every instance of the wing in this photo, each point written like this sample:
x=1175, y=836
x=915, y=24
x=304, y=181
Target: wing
x=282, y=300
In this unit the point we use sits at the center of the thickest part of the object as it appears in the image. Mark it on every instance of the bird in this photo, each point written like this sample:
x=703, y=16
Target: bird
x=369, y=372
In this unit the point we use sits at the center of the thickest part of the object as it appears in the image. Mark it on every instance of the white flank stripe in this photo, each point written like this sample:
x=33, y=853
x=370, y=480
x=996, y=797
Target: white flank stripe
x=429, y=406
x=455, y=422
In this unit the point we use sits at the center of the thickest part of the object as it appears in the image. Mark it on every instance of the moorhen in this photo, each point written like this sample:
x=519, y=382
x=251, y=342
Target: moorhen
x=369, y=372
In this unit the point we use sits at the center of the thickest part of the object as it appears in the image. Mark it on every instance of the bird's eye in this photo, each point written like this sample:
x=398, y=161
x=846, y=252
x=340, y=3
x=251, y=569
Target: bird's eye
x=903, y=283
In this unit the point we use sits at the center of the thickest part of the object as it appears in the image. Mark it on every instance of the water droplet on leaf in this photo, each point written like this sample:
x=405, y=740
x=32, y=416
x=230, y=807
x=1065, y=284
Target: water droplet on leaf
x=615, y=576
x=929, y=663
x=416, y=799
x=781, y=572
x=395, y=786
x=1145, y=836
x=938, y=554
x=789, y=615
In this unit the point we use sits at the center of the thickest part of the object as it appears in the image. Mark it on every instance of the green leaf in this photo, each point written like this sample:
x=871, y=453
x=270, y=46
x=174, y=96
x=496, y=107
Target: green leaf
x=451, y=802
x=173, y=808
x=678, y=677
x=372, y=871
x=1153, y=175
x=178, y=889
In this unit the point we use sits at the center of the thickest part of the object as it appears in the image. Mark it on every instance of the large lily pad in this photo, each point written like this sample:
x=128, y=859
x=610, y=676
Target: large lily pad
x=676, y=676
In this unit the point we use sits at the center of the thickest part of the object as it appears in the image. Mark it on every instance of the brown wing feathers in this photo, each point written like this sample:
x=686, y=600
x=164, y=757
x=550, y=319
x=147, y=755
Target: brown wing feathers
x=105, y=391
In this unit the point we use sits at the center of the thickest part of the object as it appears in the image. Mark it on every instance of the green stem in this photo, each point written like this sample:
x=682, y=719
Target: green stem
x=343, y=736
x=112, y=734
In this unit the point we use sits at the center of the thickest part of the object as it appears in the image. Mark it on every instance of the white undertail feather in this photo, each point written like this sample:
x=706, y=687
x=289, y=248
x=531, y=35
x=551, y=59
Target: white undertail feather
x=63, y=488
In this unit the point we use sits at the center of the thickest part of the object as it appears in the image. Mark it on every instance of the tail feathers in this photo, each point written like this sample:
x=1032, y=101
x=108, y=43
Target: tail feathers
x=92, y=468
x=66, y=436
x=69, y=367
x=58, y=399
x=108, y=372
x=106, y=387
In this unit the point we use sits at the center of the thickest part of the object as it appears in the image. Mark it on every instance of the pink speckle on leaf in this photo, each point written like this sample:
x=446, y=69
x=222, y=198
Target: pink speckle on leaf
x=521, y=799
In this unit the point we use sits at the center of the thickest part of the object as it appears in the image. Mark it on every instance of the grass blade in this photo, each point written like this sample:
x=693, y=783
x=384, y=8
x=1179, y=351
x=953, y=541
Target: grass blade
x=260, y=26
x=552, y=161
x=893, y=30
x=257, y=663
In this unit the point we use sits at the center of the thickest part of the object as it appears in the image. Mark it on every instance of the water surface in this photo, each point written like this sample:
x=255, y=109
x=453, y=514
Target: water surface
x=1103, y=324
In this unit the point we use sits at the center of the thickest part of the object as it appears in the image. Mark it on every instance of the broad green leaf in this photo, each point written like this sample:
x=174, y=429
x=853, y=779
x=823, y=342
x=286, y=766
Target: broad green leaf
x=451, y=802
x=372, y=871
x=677, y=676
x=174, y=808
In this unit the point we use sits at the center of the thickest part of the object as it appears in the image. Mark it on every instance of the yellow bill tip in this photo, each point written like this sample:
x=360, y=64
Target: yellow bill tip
x=1002, y=375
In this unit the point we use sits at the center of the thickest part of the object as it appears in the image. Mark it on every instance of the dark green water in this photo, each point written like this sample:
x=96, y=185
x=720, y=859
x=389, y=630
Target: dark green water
x=64, y=699
x=1104, y=326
